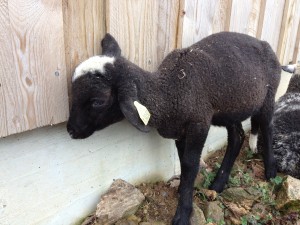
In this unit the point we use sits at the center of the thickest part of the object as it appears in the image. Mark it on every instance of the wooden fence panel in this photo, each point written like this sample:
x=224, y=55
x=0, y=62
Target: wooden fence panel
x=289, y=28
x=146, y=30
x=36, y=89
x=273, y=14
x=43, y=41
x=296, y=57
x=245, y=16
x=8, y=95
x=84, y=27
x=203, y=18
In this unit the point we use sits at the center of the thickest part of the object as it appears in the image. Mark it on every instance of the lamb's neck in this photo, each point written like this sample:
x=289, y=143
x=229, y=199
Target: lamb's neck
x=128, y=73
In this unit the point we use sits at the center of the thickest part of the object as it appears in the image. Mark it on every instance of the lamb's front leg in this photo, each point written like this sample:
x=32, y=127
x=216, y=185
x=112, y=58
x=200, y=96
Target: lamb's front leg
x=189, y=159
x=236, y=138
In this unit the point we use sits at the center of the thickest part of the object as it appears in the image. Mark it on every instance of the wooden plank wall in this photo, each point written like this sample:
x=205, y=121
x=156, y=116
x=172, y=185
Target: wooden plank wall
x=43, y=41
x=203, y=18
x=146, y=30
x=276, y=21
x=289, y=28
x=84, y=27
x=32, y=72
x=271, y=24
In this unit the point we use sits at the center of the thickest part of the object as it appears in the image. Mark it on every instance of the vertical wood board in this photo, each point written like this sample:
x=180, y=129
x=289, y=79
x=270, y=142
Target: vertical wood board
x=296, y=56
x=84, y=27
x=272, y=22
x=203, y=18
x=245, y=16
x=289, y=28
x=36, y=89
x=146, y=30
x=8, y=95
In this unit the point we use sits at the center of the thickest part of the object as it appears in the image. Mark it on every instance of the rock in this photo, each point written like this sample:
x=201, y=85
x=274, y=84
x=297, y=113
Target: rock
x=197, y=217
x=238, y=194
x=121, y=200
x=131, y=220
x=288, y=197
x=210, y=195
x=174, y=181
x=199, y=181
x=239, y=201
x=213, y=210
x=259, y=209
x=90, y=220
x=152, y=223
x=126, y=222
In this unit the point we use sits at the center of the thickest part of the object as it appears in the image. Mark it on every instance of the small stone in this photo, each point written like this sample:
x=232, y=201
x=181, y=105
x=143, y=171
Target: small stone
x=197, y=217
x=288, y=197
x=199, y=181
x=126, y=222
x=134, y=218
x=211, y=195
x=152, y=223
x=213, y=210
x=259, y=209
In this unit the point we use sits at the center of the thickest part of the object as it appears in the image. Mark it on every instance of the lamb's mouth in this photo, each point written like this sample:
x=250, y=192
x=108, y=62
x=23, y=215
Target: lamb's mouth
x=79, y=133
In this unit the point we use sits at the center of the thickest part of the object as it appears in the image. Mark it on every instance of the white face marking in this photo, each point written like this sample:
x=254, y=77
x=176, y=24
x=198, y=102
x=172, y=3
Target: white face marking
x=253, y=142
x=93, y=64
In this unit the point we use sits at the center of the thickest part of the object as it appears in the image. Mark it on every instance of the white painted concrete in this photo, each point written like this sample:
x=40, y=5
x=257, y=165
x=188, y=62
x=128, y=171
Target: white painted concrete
x=46, y=178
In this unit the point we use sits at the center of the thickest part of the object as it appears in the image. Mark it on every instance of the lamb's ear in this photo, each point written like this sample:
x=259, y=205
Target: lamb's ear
x=137, y=114
x=110, y=46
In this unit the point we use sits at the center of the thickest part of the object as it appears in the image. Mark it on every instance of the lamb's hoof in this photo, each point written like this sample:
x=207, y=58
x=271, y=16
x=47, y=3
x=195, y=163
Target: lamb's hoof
x=270, y=173
x=182, y=217
x=179, y=221
x=217, y=187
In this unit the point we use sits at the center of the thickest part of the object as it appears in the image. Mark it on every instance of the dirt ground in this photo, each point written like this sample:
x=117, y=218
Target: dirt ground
x=248, y=172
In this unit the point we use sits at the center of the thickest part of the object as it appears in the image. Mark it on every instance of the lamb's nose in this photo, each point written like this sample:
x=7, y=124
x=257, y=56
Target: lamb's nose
x=71, y=131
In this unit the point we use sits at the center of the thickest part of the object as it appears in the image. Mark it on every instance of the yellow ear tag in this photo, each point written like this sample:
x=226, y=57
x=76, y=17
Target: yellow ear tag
x=143, y=112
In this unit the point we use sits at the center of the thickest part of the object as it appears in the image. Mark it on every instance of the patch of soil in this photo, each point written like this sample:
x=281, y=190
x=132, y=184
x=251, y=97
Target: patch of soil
x=248, y=172
x=160, y=203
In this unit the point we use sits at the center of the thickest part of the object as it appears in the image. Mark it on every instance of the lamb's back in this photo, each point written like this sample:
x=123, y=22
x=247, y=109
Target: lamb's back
x=229, y=70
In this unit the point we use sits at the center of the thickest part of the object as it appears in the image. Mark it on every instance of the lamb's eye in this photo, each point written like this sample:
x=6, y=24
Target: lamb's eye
x=98, y=103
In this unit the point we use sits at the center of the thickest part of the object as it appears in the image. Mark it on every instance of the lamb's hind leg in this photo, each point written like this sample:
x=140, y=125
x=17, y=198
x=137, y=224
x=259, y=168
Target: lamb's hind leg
x=235, y=140
x=266, y=127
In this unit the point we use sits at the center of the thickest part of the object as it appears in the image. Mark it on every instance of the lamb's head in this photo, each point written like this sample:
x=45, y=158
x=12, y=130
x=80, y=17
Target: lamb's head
x=102, y=94
x=94, y=97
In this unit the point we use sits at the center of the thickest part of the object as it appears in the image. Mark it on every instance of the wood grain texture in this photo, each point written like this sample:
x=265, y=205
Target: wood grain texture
x=84, y=27
x=272, y=22
x=288, y=33
x=36, y=91
x=7, y=72
x=146, y=30
x=204, y=17
x=296, y=56
x=245, y=16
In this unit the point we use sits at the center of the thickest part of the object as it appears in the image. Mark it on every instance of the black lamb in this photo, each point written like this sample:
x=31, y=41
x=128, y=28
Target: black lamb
x=221, y=80
x=286, y=120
